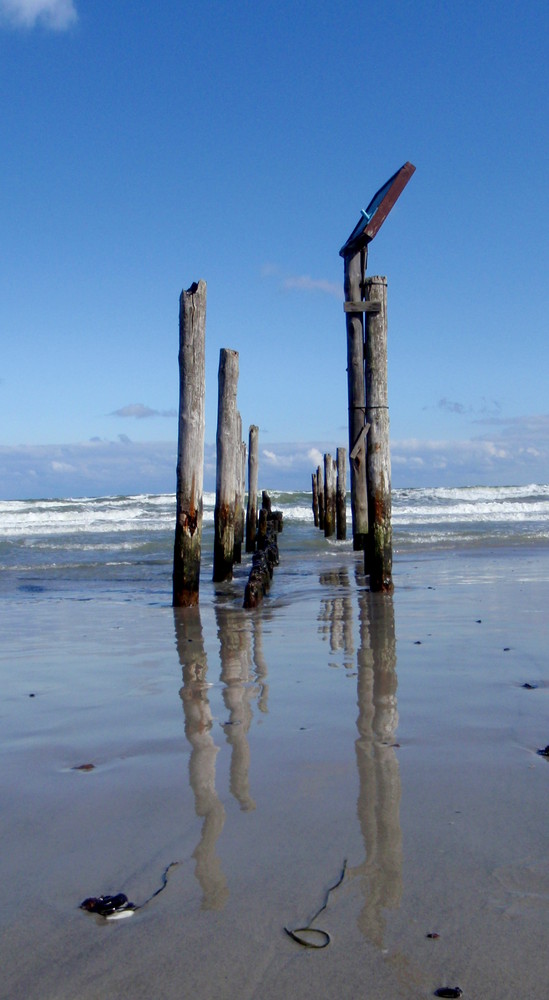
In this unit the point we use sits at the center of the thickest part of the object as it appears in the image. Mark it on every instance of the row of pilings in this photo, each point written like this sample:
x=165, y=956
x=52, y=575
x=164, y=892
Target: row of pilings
x=329, y=489
x=233, y=527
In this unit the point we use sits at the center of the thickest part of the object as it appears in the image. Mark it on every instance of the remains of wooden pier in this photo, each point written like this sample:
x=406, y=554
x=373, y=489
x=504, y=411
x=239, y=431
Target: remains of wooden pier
x=365, y=309
x=369, y=453
x=329, y=490
x=231, y=525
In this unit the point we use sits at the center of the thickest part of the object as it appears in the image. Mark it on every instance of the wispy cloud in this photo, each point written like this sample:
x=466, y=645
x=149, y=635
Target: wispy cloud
x=58, y=15
x=449, y=406
x=481, y=409
x=140, y=412
x=302, y=282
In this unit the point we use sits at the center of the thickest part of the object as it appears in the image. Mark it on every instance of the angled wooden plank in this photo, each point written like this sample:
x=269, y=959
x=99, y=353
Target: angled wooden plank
x=377, y=211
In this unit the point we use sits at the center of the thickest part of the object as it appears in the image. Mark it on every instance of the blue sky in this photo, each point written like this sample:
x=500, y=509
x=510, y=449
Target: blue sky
x=147, y=145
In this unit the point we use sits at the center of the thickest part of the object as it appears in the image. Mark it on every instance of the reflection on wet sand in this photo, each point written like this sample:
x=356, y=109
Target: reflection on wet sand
x=337, y=614
x=244, y=678
x=198, y=730
x=378, y=804
x=260, y=663
x=234, y=633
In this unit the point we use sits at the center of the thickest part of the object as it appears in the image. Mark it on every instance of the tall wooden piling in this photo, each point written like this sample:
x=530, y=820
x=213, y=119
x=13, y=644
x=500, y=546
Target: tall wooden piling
x=356, y=394
x=378, y=560
x=329, y=496
x=243, y=459
x=320, y=494
x=190, y=446
x=225, y=485
x=251, y=510
x=315, y=498
x=341, y=494
x=239, y=493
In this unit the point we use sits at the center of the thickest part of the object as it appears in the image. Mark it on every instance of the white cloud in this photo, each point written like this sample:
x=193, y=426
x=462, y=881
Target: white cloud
x=515, y=451
x=299, y=459
x=55, y=14
x=315, y=456
x=62, y=467
x=304, y=283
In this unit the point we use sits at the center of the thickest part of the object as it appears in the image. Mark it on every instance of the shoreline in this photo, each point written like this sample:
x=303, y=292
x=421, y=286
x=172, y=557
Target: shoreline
x=261, y=750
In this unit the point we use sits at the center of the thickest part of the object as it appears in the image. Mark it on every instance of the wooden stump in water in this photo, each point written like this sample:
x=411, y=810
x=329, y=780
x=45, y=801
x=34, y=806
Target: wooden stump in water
x=266, y=557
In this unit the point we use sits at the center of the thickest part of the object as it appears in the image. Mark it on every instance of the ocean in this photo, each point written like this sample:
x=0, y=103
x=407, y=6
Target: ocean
x=124, y=544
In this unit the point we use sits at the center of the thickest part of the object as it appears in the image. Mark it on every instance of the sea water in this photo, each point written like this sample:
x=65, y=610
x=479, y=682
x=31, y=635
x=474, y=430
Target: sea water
x=124, y=544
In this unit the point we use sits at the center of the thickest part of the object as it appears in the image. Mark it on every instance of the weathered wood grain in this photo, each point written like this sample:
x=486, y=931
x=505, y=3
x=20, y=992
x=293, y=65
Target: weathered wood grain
x=379, y=551
x=190, y=446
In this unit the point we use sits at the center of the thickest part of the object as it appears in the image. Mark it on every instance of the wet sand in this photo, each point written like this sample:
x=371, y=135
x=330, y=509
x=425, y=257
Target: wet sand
x=262, y=750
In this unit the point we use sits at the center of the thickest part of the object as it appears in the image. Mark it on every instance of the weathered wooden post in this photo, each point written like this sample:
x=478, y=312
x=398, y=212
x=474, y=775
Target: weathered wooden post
x=320, y=494
x=243, y=457
x=379, y=550
x=355, y=253
x=315, y=499
x=225, y=485
x=251, y=510
x=190, y=446
x=356, y=397
x=329, y=496
x=239, y=493
x=341, y=494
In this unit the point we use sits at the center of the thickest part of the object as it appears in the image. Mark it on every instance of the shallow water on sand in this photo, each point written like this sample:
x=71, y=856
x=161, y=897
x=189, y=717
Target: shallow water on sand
x=261, y=750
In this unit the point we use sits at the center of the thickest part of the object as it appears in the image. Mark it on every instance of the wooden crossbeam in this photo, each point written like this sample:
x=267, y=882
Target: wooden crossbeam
x=361, y=307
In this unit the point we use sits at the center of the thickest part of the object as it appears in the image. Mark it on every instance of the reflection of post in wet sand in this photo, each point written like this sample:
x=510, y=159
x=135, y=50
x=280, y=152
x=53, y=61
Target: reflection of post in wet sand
x=378, y=805
x=233, y=629
x=198, y=730
x=260, y=664
x=337, y=613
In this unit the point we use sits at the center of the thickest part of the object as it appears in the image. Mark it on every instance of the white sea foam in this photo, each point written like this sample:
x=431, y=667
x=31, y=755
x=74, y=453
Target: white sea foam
x=418, y=514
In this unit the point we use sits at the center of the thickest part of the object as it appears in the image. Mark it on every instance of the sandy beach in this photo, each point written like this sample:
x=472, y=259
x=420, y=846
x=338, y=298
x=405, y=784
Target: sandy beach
x=264, y=751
